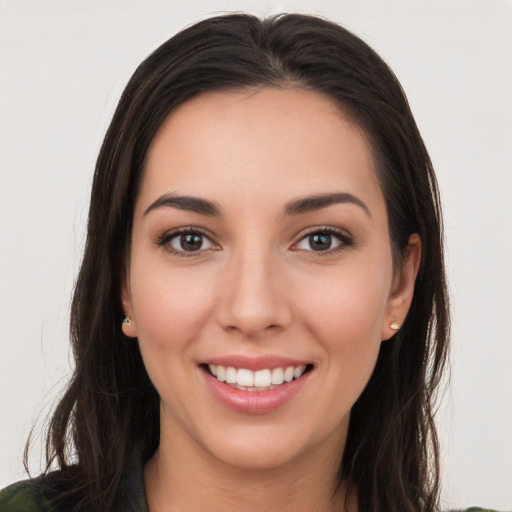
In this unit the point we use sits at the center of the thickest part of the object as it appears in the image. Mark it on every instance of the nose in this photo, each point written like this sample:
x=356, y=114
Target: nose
x=253, y=296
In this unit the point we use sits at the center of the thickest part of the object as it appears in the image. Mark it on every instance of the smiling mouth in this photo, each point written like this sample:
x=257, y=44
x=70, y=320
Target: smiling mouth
x=260, y=380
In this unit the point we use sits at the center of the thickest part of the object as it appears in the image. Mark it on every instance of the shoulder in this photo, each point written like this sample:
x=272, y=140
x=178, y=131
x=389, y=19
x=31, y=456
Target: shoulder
x=31, y=496
x=26, y=496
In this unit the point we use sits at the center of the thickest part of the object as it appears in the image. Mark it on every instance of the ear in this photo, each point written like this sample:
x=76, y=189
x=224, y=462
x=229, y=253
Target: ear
x=129, y=328
x=403, y=288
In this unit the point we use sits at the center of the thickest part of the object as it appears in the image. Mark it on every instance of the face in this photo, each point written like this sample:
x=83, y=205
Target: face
x=260, y=279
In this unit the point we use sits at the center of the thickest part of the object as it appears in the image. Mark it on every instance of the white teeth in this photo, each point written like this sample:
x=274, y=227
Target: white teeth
x=245, y=378
x=277, y=376
x=254, y=381
x=262, y=379
x=288, y=374
x=297, y=372
x=231, y=375
x=221, y=373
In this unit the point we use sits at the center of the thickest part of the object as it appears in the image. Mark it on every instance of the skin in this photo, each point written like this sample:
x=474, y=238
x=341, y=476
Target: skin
x=256, y=287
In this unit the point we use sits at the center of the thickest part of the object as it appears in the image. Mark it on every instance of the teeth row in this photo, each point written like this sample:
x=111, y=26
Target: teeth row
x=259, y=379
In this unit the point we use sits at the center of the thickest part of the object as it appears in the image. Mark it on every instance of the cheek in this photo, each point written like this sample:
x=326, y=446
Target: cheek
x=170, y=309
x=170, y=314
x=344, y=311
x=346, y=307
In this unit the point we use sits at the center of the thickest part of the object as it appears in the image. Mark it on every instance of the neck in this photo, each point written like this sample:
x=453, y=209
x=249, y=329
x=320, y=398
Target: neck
x=179, y=479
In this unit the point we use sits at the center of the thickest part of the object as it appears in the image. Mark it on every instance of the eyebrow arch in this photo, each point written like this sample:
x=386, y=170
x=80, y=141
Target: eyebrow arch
x=317, y=202
x=187, y=203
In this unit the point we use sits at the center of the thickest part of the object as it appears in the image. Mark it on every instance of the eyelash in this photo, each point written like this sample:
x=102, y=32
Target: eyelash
x=343, y=237
x=166, y=239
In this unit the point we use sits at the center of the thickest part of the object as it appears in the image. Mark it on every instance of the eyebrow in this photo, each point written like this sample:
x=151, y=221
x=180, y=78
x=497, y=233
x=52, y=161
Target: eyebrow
x=320, y=201
x=296, y=207
x=187, y=203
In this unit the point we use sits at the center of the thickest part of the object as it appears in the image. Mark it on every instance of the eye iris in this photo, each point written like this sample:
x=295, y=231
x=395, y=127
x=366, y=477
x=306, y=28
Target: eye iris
x=320, y=241
x=191, y=241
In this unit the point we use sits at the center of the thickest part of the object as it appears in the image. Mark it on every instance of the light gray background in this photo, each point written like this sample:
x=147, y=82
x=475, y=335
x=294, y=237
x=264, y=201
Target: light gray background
x=63, y=65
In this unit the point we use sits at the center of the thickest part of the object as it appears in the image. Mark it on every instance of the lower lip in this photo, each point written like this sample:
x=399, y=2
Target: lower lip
x=255, y=402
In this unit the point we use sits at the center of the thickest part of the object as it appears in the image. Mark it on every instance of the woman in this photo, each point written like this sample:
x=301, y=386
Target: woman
x=261, y=318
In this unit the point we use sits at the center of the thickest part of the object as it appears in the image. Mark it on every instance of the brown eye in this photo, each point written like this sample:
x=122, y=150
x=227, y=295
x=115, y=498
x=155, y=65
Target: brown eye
x=190, y=242
x=320, y=241
x=325, y=240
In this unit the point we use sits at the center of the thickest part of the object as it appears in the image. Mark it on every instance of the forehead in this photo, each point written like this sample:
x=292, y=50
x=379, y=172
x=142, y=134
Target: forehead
x=279, y=142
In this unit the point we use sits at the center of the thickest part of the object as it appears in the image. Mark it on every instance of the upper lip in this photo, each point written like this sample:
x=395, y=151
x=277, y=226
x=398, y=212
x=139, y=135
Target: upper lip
x=255, y=363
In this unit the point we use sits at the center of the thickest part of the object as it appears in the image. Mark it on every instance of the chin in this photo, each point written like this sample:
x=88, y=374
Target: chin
x=267, y=447
x=259, y=457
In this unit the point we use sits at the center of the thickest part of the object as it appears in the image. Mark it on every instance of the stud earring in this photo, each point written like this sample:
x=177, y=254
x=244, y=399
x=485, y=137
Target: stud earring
x=127, y=321
x=395, y=326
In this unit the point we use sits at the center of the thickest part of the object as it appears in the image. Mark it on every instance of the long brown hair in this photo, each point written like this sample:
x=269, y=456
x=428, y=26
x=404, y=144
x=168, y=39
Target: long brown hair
x=110, y=409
